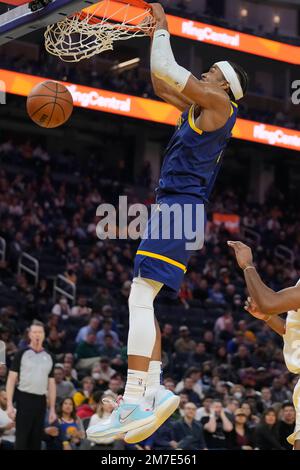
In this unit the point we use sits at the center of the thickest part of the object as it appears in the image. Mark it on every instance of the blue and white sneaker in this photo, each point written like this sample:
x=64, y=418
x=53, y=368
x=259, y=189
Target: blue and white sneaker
x=164, y=403
x=125, y=417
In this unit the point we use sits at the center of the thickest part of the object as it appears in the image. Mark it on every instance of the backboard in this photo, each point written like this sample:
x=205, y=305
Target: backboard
x=21, y=20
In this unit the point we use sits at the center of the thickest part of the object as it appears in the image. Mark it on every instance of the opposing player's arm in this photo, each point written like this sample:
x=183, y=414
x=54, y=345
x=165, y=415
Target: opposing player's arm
x=269, y=301
x=169, y=95
x=276, y=323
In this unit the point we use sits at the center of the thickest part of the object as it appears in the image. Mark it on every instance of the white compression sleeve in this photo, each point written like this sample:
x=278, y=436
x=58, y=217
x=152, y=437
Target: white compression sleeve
x=142, y=332
x=163, y=63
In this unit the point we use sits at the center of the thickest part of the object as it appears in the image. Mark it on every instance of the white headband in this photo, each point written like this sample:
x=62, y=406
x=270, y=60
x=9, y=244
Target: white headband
x=232, y=78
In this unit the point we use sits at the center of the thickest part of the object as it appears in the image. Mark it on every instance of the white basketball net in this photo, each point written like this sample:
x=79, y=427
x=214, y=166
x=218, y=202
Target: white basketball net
x=80, y=36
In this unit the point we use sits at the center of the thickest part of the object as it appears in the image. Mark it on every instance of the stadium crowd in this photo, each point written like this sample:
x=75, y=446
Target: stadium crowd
x=228, y=369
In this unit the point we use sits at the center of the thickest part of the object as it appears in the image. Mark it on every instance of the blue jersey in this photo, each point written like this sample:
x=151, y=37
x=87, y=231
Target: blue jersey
x=193, y=157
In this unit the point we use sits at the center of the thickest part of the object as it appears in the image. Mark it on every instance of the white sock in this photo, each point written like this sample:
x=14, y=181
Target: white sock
x=135, y=386
x=153, y=378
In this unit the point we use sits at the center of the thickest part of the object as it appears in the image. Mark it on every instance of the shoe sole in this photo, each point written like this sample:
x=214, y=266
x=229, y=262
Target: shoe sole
x=162, y=413
x=116, y=432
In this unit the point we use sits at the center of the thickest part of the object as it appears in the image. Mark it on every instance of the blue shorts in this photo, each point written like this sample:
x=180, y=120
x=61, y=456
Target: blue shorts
x=170, y=239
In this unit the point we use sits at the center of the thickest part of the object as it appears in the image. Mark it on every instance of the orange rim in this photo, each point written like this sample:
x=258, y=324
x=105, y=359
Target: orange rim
x=97, y=19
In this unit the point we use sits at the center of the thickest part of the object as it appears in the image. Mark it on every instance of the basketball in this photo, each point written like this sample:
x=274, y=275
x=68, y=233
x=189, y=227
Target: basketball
x=49, y=104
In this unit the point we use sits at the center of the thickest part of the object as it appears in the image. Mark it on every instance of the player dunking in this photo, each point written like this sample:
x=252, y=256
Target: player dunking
x=192, y=161
x=266, y=305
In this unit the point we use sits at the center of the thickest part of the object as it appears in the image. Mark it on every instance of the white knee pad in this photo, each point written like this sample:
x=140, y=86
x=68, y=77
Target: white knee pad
x=142, y=332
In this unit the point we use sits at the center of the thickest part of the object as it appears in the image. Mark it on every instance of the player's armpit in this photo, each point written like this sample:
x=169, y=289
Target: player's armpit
x=170, y=95
x=207, y=96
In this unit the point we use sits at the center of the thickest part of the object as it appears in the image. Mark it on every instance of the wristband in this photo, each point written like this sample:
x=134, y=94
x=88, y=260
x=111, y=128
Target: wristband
x=249, y=267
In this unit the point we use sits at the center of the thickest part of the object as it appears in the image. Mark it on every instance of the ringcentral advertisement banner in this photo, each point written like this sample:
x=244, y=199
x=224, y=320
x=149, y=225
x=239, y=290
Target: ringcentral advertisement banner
x=215, y=35
x=149, y=110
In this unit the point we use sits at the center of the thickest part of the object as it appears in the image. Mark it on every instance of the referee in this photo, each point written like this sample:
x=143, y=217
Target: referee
x=32, y=368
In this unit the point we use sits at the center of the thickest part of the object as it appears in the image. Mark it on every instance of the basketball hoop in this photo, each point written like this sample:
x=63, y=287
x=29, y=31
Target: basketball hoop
x=95, y=29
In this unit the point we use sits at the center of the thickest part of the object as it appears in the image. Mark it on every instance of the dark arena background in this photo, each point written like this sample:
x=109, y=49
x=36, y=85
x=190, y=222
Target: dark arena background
x=54, y=268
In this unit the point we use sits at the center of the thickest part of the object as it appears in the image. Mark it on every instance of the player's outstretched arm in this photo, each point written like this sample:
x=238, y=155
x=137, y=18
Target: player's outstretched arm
x=276, y=323
x=180, y=80
x=268, y=301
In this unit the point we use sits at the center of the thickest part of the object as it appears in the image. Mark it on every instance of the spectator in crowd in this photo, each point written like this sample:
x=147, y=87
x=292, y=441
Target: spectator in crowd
x=62, y=309
x=85, y=395
x=204, y=410
x=163, y=438
x=64, y=388
x=252, y=418
x=240, y=437
x=216, y=427
x=102, y=372
x=107, y=330
x=188, y=389
x=104, y=410
x=279, y=392
x=54, y=344
x=194, y=375
x=267, y=432
x=108, y=349
x=199, y=356
x=167, y=338
x=87, y=351
x=70, y=425
x=184, y=344
x=7, y=425
x=286, y=424
x=188, y=433
x=266, y=398
x=241, y=360
x=91, y=327
x=81, y=310
x=70, y=374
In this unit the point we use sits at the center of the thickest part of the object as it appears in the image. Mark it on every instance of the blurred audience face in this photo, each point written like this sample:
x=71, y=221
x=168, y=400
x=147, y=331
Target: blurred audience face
x=246, y=409
x=88, y=384
x=266, y=394
x=207, y=402
x=67, y=406
x=108, y=341
x=115, y=385
x=242, y=351
x=188, y=383
x=68, y=369
x=200, y=348
x=59, y=375
x=69, y=358
x=91, y=338
x=94, y=323
x=288, y=414
x=169, y=384
x=168, y=329
x=217, y=407
x=183, y=399
x=233, y=405
x=208, y=337
x=36, y=336
x=190, y=410
x=240, y=417
x=270, y=418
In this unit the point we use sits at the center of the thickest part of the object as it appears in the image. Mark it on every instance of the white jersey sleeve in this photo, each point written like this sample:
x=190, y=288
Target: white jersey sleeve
x=291, y=350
